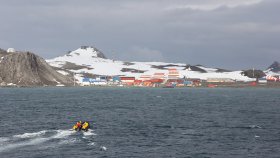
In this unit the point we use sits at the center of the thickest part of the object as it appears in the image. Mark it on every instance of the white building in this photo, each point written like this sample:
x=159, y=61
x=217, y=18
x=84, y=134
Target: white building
x=11, y=50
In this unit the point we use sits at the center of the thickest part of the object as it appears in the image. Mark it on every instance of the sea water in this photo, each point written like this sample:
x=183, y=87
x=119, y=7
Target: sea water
x=140, y=122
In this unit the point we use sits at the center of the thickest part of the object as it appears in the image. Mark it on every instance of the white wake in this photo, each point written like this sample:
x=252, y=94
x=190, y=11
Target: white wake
x=37, y=138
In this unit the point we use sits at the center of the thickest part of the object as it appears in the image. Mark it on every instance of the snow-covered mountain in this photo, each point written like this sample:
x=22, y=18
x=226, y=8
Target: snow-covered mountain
x=89, y=60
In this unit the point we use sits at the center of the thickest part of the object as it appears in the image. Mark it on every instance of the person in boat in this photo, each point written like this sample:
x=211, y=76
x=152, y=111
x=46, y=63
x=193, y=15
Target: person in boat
x=78, y=126
x=85, y=126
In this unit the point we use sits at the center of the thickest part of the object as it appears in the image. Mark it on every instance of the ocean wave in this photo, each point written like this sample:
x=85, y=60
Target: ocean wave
x=248, y=127
x=15, y=145
x=3, y=139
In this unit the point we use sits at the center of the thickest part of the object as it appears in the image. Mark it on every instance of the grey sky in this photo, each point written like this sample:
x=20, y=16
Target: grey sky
x=233, y=34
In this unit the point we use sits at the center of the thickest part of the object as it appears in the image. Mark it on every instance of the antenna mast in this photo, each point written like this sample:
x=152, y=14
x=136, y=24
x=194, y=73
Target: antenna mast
x=74, y=78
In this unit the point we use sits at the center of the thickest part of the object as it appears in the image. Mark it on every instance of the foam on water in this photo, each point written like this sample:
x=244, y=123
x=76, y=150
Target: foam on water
x=89, y=133
x=36, y=138
x=30, y=135
x=92, y=144
x=88, y=136
x=63, y=133
x=69, y=141
x=103, y=148
x=255, y=126
x=14, y=145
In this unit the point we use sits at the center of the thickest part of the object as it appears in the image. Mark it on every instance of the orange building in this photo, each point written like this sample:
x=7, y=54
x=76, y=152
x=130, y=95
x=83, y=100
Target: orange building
x=173, y=73
x=159, y=75
x=145, y=77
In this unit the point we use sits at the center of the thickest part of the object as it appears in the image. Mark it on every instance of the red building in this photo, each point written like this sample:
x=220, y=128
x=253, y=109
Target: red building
x=127, y=80
x=272, y=78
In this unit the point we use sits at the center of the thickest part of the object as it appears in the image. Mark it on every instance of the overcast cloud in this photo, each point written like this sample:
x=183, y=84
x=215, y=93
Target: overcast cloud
x=233, y=34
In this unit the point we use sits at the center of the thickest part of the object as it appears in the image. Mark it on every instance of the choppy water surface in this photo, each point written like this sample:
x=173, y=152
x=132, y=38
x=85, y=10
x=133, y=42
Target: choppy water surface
x=131, y=122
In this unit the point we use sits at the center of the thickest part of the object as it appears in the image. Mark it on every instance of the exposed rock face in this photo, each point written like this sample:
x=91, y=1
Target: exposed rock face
x=28, y=69
x=274, y=67
x=254, y=73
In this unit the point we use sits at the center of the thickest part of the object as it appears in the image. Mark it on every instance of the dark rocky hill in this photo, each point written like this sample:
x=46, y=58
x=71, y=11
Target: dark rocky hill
x=274, y=67
x=28, y=69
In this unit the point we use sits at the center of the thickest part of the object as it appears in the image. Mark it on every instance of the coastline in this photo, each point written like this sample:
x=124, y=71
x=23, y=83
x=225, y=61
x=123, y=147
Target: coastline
x=274, y=85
